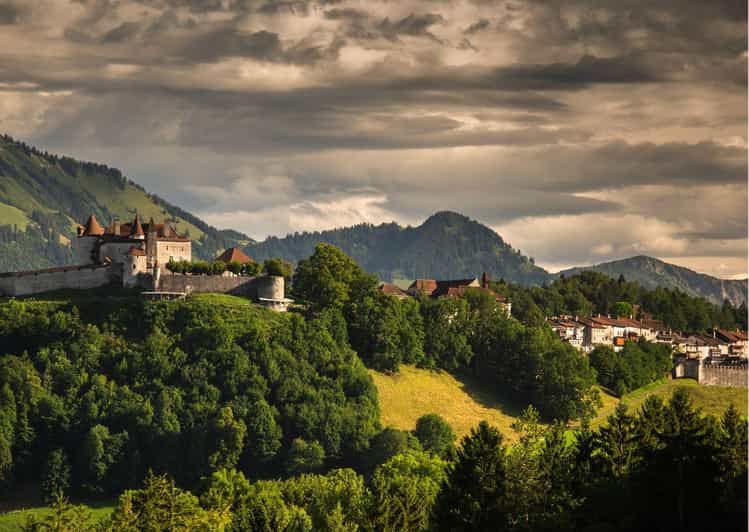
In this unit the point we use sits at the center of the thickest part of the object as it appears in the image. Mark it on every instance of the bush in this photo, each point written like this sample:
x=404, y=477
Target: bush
x=435, y=435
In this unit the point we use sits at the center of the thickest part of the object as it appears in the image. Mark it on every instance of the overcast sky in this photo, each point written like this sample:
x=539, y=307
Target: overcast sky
x=582, y=131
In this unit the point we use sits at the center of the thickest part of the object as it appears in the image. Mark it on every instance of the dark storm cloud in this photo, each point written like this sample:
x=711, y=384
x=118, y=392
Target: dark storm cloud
x=261, y=45
x=123, y=32
x=10, y=13
x=412, y=26
x=477, y=26
x=510, y=111
x=619, y=165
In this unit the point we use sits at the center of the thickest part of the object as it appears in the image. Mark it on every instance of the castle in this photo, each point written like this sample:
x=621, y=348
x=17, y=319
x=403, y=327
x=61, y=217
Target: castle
x=135, y=254
x=138, y=248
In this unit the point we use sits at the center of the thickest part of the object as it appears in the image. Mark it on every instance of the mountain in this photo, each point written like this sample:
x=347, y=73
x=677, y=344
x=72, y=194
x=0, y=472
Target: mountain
x=652, y=273
x=446, y=245
x=44, y=197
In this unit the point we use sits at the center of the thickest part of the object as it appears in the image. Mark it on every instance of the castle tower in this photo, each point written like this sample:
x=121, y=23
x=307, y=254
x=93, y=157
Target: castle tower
x=88, y=237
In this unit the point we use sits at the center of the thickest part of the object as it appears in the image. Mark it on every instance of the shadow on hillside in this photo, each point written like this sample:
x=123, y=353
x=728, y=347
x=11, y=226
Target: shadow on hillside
x=486, y=395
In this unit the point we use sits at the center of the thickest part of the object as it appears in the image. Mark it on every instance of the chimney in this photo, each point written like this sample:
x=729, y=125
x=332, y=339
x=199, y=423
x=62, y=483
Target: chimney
x=116, y=227
x=484, y=280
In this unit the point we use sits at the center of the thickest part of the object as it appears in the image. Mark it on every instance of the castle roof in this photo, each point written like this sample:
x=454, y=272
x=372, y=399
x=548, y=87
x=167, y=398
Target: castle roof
x=137, y=229
x=234, y=255
x=92, y=227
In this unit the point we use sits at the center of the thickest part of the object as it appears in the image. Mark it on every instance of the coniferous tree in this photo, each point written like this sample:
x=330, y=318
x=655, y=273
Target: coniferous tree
x=473, y=496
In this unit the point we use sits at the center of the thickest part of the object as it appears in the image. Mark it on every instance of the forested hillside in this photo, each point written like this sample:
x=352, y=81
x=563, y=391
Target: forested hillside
x=215, y=414
x=447, y=245
x=43, y=197
x=589, y=293
x=653, y=273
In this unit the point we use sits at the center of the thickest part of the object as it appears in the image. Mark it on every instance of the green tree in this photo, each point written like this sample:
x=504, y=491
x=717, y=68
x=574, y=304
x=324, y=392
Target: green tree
x=160, y=505
x=228, y=437
x=64, y=517
x=329, y=278
x=305, y=457
x=56, y=475
x=404, y=490
x=473, y=495
x=435, y=435
x=622, y=309
x=278, y=267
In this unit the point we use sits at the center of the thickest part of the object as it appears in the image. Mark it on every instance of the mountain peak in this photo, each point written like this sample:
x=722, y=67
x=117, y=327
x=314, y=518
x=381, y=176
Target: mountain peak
x=447, y=218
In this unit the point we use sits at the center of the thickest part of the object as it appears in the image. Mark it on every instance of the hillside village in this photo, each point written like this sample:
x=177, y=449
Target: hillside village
x=142, y=255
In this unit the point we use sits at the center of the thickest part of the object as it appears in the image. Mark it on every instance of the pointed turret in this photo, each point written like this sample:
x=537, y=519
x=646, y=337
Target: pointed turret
x=92, y=227
x=137, y=229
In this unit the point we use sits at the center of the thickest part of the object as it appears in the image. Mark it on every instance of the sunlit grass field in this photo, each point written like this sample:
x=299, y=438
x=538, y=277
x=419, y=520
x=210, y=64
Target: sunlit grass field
x=14, y=520
x=464, y=402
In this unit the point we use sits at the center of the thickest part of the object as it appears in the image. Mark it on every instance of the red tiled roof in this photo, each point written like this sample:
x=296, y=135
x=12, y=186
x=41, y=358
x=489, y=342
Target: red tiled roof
x=234, y=255
x=731, y=336
x=392, y=290
x=427, y=286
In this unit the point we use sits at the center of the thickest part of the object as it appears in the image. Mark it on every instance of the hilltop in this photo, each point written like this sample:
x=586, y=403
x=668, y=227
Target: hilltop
x=652, y=273
x=447, y=245
x=43, y=197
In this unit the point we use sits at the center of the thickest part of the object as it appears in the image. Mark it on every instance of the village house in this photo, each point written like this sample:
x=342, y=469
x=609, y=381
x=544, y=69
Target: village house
x=586, y=333
x=457, y=288
x=390, y=289
x=733, y=343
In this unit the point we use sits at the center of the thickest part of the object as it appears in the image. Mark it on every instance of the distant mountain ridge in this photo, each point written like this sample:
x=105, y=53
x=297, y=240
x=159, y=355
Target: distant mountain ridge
x=450, y=245
x=651, y=273
x=447, y=245
x=43, y=197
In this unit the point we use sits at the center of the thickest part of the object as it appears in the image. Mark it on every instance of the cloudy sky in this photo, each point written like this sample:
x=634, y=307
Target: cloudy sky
x=582, y=131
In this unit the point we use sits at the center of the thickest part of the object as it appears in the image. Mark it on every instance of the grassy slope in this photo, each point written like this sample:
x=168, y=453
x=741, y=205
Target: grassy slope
x=463, y=402
x=11, y=215
x=14, y=520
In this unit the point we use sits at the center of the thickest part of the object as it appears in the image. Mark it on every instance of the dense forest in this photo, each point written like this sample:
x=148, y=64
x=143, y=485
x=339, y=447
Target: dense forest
x=664, y=468
x=207, y=414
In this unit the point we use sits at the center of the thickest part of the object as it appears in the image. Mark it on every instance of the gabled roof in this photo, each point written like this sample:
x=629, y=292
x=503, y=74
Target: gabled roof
x=731, y=336
x=427, y=286
x=92, y=227
x=390, y=289
x=234, y=255
x=136, y=252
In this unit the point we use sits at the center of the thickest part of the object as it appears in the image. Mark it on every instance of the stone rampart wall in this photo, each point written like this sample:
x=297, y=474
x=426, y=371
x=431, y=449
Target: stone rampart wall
x=724, y=375
x=240, y=286
x=70, y=277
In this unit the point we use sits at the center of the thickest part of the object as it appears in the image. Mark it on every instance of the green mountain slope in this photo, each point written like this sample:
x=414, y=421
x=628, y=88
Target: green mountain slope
x=446, y=245
x=43, y=197
x=652, y=273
